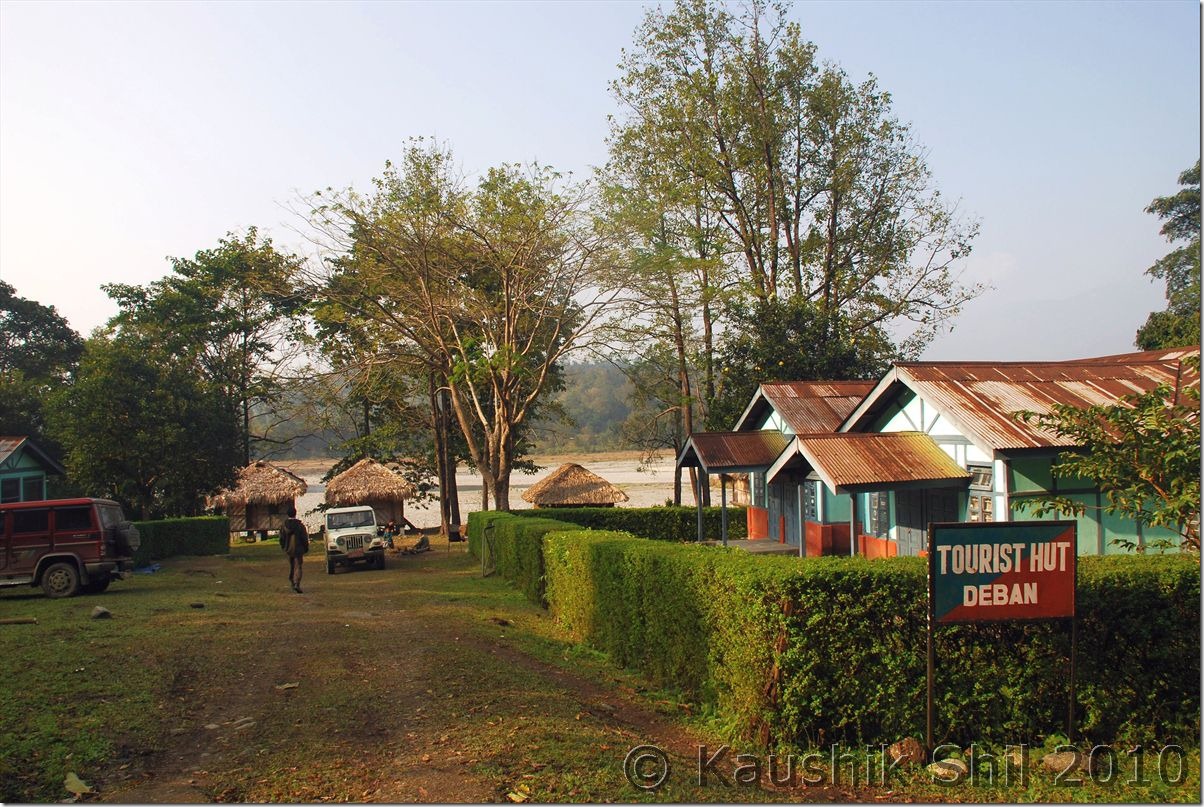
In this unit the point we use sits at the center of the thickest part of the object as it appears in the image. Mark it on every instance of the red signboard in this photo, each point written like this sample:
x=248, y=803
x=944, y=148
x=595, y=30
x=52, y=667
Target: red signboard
x=985, y=572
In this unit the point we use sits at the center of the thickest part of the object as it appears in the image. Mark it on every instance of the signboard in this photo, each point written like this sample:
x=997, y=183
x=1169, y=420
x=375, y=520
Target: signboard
x=1004, y=570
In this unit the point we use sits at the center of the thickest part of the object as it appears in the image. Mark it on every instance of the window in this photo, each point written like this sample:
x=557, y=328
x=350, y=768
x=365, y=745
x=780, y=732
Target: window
x=810, y=503
x=878, y=516
x=33, y=489
x=980, y=507
x=982, y=477
x=10, y=490
x=31, y=521
x=72, y=519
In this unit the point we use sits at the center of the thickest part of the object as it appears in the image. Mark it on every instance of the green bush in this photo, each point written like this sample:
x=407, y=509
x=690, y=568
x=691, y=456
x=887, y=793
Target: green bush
x=812, y=651
x=517, y=547
x=654, y=523
x=208, y=535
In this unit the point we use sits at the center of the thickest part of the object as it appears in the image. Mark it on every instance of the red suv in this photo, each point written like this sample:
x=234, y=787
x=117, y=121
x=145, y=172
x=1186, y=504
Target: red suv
x=65, y=545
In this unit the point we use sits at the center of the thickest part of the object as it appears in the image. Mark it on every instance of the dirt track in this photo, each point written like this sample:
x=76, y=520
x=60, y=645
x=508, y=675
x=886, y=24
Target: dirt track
x=408, y=687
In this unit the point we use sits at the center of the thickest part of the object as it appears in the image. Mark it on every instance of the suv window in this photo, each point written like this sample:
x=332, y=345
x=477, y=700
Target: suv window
x=359, y=518
x=31, y=521
x=72, y=519
x=110, y=515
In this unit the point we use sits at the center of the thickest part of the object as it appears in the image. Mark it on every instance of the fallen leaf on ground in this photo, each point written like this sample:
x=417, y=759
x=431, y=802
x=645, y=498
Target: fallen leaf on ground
x=75, y=785
x=292, y=685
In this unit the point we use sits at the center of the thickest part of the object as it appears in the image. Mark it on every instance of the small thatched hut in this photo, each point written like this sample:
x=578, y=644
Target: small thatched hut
x=371, y=483
x=570, y=485
x=261, y=498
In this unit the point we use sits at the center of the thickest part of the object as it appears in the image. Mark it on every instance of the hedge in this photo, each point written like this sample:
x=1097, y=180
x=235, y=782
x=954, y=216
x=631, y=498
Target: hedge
x=207, y=535
x=655, y=523
x=806, y=652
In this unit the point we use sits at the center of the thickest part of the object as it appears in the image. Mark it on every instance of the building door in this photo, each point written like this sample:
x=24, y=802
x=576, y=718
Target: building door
x=915, y=509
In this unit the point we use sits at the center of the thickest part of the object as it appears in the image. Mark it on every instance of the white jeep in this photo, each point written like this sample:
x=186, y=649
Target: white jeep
x=351, y=537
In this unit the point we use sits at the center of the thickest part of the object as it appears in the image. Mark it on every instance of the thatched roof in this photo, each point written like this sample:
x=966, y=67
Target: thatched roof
x=261, y=483
x=367, y=481
x=571, y=484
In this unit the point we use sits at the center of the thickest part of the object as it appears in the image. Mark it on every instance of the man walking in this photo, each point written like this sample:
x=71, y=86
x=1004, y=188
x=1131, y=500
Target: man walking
x=294, y=540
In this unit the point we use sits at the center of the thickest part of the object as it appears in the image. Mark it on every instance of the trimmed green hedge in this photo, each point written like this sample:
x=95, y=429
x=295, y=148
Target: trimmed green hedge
x=806, y=652
x=517, y=547
x=655, y=523
x=207, y=535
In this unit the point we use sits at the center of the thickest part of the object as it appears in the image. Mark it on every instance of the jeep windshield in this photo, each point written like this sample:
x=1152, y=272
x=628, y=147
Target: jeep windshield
x=342, y=521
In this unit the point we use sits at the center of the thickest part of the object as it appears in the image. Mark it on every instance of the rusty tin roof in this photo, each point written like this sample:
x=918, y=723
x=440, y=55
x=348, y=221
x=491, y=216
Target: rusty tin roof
x=981, y=398
x=807, y=407
x=732, y=452
x=876, y=461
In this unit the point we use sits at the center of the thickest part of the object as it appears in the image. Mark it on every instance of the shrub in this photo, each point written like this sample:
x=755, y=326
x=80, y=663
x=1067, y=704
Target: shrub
x=812, y=651
x=516, y=546
x=207, y=535
x=654, y=523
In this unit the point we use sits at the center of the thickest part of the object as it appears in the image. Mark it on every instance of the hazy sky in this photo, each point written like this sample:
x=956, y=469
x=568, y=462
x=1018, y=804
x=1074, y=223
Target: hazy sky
x=134, y=131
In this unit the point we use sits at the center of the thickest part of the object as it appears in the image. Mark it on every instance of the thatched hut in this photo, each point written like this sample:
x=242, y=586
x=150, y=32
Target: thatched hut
x=260, y=500
x=371, y=483
x=571, y=485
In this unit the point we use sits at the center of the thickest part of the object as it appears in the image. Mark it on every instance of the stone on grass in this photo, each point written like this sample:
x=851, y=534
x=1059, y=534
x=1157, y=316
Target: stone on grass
x=100, y=612
x=949, y=770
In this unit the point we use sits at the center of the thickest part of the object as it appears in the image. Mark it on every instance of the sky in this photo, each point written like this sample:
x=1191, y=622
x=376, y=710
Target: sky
x=130, y=132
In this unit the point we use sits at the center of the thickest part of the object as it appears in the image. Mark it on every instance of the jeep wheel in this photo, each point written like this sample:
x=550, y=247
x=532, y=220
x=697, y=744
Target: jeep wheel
x=380, y=560
x=97, y=585
x=329, y=566
x=60, y=580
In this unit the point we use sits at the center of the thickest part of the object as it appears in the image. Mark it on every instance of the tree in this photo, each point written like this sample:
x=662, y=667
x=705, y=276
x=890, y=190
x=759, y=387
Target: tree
x=1143, y=452
x=820, y=191
x=1179, y=324
x=142, y=428
x=233, y=310
x=789, y=340
x=489, y=288
x=38, y=352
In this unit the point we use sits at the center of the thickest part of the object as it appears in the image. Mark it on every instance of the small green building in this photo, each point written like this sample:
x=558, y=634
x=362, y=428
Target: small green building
x=23, y=470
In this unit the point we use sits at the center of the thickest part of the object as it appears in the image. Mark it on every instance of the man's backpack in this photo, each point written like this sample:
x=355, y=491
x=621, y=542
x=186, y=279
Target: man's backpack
x=295, y=527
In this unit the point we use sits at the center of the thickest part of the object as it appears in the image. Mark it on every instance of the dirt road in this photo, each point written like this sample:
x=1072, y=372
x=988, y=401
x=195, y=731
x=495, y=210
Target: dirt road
x=422, y=682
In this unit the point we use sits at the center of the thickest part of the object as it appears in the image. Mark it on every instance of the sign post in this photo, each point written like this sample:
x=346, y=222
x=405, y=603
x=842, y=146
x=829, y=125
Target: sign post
x=997, y=571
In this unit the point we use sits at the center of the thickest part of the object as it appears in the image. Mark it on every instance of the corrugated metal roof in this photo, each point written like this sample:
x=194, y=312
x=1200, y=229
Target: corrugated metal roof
x=810, y=407
x=724, y=452
x=981, y=398
x=8, y=445
x=847, y=461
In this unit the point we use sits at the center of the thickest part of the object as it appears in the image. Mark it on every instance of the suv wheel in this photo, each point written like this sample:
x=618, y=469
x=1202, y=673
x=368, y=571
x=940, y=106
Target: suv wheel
x=380, y=560
x=329, y=566
x=60, y=580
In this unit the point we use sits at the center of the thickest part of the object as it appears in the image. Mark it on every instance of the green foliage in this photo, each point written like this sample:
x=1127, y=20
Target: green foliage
x=1179, y=324
x=232, y=313
x=515, y=546
x=654, y=523
x=593, y=405
x=806, y=652
x=762, y=346
x=140, y=427
x=38, y=351
x=1143, y=452
x=205, y=535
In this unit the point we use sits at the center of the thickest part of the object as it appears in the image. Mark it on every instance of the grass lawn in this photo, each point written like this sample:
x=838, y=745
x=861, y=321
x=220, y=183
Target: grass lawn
x=422, y=682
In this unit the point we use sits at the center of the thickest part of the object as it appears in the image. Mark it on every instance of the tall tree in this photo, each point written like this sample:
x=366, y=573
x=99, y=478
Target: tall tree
x=38, y=352
x=490, y=287
x=1179, y=324
x=821, y=191
x=234, y=311
x=141, y=427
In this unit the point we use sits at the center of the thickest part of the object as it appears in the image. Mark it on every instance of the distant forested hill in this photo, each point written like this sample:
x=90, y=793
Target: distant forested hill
x=595, y=400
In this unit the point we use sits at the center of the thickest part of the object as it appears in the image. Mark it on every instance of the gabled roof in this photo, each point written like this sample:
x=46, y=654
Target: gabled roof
x=732, y=452
x=848, y=463
x=980, y=398
x=11, y=444
x=807, y=407
x=572, y=484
